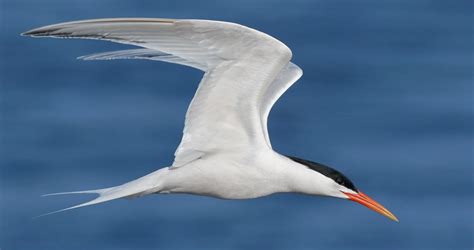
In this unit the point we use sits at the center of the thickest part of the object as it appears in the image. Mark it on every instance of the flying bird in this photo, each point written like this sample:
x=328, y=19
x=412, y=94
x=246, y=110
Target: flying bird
x=225, y=151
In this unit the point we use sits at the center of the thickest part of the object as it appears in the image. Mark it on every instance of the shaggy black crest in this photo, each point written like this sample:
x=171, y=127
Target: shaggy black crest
x=337, y=176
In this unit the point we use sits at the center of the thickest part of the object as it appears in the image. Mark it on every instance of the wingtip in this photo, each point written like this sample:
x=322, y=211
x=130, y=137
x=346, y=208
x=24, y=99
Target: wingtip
x=50, y=30
x=34, y=33
x=88, y=58
x=26, y=33
x=84, y=58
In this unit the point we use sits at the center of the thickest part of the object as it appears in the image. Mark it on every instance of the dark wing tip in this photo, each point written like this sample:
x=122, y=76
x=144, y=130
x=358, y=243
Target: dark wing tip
x=52, y=30
x=40, y=32
x=29, y=33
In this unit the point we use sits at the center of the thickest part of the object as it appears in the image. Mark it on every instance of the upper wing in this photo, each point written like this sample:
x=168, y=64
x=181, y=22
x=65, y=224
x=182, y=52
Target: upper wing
x=231, y=102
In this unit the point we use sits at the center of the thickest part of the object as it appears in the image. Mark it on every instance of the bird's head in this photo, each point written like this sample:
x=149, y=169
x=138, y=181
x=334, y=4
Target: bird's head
x=336, y=184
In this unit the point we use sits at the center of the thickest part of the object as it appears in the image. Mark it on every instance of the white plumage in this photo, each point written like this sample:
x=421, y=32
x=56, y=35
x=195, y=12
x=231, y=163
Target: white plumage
x=225, y=150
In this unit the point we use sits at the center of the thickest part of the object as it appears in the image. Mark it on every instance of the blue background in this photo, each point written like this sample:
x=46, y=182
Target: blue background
x=386, y=98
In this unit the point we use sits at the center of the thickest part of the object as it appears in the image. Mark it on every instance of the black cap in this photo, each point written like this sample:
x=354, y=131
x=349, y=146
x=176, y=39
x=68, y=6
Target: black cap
x=337, y=176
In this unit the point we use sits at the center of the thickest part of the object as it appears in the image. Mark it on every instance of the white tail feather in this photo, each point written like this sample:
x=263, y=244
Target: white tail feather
x=92, y=202
x=95, y=191
x=142, y=186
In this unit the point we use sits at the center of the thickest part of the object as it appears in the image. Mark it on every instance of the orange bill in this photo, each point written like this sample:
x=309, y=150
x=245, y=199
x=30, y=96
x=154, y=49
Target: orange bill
x=368, y=202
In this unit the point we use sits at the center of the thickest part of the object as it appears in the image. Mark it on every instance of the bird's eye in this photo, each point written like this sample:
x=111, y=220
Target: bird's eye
x=339, y=181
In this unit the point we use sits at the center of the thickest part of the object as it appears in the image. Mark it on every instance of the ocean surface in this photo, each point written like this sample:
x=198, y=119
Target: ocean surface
x=386, y=98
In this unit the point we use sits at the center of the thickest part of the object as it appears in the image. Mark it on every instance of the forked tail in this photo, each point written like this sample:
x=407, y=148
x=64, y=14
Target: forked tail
x=147, y=184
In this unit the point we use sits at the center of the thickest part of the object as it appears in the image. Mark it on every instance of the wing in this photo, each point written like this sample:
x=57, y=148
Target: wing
x=285, y=79
x=240, y=64
x=287, y=76
x=148, y=54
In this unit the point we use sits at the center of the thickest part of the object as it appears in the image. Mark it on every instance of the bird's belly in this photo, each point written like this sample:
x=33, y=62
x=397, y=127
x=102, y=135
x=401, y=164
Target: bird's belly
x=228, y=190
x=227, y=181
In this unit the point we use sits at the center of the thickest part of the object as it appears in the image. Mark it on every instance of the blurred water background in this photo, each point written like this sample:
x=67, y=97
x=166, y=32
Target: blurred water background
x=386, y=98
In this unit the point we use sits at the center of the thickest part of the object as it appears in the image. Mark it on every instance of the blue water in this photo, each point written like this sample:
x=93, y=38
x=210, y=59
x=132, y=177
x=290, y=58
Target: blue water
x=386, y=98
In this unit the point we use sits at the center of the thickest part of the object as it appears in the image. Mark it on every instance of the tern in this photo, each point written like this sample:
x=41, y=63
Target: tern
x=225, y=151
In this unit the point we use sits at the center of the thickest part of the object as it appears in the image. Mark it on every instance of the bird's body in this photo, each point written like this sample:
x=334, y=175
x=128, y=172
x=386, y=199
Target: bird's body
x=225, y=151
x=231, y=176
x=226, y=176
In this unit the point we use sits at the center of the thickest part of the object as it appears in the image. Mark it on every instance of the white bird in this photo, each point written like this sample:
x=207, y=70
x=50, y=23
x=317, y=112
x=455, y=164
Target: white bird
x=225, y=151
